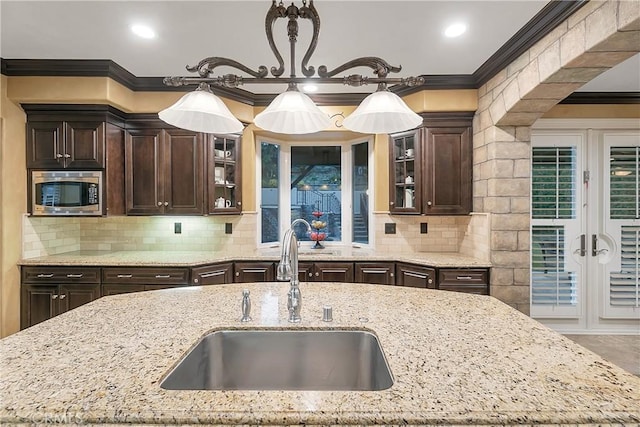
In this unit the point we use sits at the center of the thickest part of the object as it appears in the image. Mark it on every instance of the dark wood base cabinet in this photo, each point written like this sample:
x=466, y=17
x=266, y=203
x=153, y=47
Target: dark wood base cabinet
x=214, y=274
x=122, y=280
x=48, y=291
x=415, y=276
x=382, y=273
x=471, y=281
x=325, y=272
x=246, y=272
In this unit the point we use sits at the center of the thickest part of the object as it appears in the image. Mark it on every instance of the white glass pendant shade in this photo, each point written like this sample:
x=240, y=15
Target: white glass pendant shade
x=382, y=112
x=201, y=111
x=292, y=112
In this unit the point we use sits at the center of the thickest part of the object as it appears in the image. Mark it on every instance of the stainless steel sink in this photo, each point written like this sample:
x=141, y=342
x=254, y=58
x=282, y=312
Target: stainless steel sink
x=283, y=360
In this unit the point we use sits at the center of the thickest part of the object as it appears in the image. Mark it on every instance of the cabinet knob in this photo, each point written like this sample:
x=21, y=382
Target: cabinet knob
x=58, y=156
x=54, y=296
x=310, y=274
x=429, y=203
x=391, y=203
x=239, y=203
x=66, y=156
x=159, y=203
x=391, y=274
x=430, y=281
x=62, y=296
x=196, y=281
x=166, y=203
x=317, y=274
x=237, y=274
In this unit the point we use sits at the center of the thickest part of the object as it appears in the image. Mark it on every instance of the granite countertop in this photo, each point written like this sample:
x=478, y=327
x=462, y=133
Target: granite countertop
x=455, y=359
x=195, y=258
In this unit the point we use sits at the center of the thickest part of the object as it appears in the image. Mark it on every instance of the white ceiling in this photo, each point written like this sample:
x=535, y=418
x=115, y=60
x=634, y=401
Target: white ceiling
x=407, y=33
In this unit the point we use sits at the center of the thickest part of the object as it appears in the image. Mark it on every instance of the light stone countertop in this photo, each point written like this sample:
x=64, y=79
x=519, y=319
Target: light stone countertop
x=455, y=358
x=195, y=258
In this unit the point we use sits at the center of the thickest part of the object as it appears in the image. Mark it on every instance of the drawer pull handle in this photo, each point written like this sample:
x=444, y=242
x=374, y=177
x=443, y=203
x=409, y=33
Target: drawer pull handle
x=125, y=276
x=75, y=276
x=253, y=270
x=163, y=276
x=332, y=270
x=419, y=276
x=464, y=278
x=374, y=271
x=45, y=276
x=212, y=274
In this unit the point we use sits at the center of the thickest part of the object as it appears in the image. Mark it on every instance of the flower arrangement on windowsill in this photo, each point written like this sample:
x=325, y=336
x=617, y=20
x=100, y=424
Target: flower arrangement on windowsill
x=317, y=235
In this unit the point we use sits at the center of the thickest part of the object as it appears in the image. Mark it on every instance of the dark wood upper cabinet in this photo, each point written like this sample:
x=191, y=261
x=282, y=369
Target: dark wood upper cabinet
x=406, y=172
x=431, y=167
x=60, y=144
x=164, y=172
x=448, y=171
x=224, y=176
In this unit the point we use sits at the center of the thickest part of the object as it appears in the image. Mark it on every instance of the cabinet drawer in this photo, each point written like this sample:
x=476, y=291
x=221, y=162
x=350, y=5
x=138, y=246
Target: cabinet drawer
x=48, y=275
x=378, y=273
x=216, y=274
x=144, y=276
x=471, y=281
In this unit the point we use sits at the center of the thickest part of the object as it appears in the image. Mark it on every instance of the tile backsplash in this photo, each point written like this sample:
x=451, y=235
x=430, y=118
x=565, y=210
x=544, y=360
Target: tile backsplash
x=49, y=236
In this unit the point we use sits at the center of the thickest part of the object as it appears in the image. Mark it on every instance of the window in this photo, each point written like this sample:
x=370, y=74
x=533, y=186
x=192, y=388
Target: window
x=326, y=183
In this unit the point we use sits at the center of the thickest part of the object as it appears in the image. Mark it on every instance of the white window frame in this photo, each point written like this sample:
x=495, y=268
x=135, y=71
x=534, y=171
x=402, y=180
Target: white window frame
x=284, y=182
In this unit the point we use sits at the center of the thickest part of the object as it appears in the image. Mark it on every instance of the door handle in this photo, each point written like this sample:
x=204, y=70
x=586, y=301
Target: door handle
x=594, y=246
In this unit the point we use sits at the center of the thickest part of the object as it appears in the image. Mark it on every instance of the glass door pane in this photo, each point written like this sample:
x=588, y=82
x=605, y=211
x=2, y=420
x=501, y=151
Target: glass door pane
x=360, y=201
x=270, y=192
x=316, y=193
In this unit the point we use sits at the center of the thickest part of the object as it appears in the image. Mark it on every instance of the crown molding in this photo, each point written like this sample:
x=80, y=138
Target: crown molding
x=539, y=26
x=602, y=98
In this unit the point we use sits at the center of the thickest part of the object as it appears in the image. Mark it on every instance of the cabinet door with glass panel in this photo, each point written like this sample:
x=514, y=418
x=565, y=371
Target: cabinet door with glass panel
x=406, y=170
x=224, y=175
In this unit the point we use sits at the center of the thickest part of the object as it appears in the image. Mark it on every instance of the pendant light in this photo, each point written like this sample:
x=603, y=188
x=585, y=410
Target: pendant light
x=292, y=112
x=201, y=111
x=382, y=112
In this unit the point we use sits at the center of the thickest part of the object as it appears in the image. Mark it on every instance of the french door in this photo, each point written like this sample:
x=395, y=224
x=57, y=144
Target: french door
x=585, y=229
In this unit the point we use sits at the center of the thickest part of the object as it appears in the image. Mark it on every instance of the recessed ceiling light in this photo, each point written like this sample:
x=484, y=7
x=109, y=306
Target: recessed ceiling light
x=143, y=31
x=455, y=30
x=309, y=87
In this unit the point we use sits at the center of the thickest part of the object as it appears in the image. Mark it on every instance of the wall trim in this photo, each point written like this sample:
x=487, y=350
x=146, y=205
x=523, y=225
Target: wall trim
x=613, y=124
x=602, y=98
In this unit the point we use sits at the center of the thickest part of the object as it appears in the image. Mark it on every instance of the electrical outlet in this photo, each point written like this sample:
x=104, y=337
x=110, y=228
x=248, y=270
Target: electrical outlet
x=423, y=228
x=389, y=228
x=177, y=227
x=228, y=228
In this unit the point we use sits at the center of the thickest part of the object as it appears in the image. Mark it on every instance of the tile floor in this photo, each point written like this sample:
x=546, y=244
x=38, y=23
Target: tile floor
x=623, y=350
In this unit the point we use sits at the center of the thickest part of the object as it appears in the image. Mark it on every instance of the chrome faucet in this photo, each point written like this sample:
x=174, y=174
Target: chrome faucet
x=288, y=270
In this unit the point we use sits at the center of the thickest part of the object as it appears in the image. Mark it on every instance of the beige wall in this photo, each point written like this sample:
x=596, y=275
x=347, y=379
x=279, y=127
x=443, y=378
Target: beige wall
x=12, y=205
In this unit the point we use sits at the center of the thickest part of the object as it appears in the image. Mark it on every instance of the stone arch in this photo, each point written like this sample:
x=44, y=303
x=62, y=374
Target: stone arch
x=597, y=37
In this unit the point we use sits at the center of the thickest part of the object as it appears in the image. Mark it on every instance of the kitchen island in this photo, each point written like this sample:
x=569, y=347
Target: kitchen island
x=455, y=359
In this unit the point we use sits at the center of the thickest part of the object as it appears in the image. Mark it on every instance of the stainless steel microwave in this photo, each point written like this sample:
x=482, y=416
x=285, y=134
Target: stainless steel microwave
x=66, y=193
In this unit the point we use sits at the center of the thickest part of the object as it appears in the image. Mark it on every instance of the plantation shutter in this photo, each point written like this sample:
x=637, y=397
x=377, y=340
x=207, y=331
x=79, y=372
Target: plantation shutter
x=554, y=200
x=623, y=221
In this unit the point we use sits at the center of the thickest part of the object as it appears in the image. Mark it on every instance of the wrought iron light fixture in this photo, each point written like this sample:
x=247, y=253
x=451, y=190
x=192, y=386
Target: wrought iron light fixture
x=291, y=112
